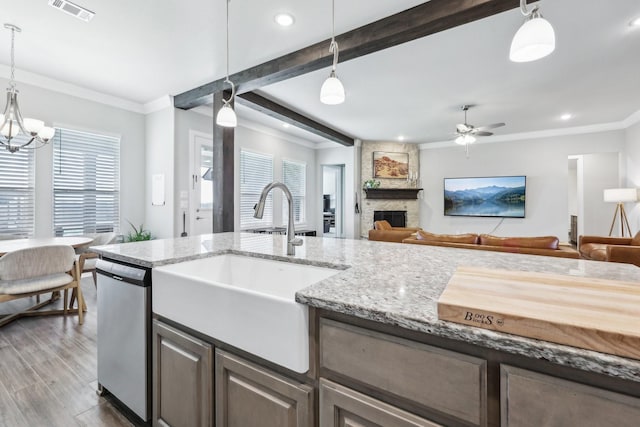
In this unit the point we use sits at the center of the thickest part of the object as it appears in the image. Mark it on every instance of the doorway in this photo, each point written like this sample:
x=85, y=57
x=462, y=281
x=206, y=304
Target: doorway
x=333, y=201
x=201, y=183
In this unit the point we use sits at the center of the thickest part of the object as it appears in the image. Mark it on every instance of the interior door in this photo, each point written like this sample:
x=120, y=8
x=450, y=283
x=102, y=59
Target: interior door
x=201, y=197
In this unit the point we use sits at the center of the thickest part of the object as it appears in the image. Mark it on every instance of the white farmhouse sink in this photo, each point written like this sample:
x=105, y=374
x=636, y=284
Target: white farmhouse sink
x=244, y=301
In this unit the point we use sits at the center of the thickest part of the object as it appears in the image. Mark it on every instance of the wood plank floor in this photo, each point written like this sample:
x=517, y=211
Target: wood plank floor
x=48, y=374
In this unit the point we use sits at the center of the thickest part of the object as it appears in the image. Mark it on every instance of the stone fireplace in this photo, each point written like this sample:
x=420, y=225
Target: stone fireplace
x=395, y=218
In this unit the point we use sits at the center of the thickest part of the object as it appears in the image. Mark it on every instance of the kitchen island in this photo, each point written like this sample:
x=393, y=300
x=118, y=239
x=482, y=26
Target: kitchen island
x=384, y=304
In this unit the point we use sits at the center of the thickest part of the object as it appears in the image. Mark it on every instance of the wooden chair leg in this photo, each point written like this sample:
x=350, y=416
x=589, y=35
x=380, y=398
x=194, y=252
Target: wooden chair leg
x=95, y=278
x=64, y=303
x=81, y=305
x=73, y=298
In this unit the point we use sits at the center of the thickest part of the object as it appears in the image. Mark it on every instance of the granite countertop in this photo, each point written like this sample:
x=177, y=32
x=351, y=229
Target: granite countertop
x=397, y=284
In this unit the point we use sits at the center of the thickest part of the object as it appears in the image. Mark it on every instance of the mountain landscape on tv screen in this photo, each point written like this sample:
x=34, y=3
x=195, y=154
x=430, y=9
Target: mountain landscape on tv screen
x=491, y=200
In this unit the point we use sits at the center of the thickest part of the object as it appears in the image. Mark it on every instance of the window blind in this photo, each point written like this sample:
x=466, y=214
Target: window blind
x=86, y=183
x=294, y=177
x=256, y=171
x=17, y=191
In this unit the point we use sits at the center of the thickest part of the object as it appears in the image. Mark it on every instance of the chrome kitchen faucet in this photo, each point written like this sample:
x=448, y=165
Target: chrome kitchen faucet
x=292, y=240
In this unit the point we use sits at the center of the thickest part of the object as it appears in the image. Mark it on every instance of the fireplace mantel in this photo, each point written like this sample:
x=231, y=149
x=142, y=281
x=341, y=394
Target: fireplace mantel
x=392, y=193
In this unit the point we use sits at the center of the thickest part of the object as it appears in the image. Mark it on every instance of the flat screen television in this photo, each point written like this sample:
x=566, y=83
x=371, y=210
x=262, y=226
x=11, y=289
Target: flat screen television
x=491, y=196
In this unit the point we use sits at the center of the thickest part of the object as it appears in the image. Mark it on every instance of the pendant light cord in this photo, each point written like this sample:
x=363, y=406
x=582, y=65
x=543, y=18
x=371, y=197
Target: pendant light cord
x=233, y=87
x=12, y=83
x=333, y=47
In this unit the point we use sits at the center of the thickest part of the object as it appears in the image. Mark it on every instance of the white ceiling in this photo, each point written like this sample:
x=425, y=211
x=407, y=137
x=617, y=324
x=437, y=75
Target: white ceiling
x=141, y=50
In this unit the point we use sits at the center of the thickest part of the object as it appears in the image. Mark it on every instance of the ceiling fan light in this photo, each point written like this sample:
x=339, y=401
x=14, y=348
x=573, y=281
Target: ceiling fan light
x=33, y=126
x=465, y=139
x=534, y=40
x=227, y=117
x=332, y=91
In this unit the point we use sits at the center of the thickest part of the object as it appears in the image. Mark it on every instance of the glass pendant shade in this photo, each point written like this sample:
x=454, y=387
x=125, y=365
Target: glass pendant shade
x=10, y=129
x=534, y=40
x=46, y=133
x=465, y=139
x=33, y=126
x=332, y=91
x=226, y=117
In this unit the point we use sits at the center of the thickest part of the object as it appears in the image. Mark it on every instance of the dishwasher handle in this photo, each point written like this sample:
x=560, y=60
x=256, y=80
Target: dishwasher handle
x=123, y=273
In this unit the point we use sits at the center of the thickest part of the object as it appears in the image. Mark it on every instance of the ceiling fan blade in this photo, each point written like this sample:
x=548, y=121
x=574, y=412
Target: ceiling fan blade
x=462, y=128
x=481, y=133
x=491, y=126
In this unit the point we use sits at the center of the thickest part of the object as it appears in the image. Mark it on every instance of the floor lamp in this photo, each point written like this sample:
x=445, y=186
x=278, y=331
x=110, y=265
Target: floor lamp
x=620, y=196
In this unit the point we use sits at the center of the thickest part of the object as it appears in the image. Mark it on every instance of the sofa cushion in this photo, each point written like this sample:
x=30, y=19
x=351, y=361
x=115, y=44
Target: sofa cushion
x=382, y=225
x=542, y=242
x=469, y=238
x=594, y=251
x=636, y=240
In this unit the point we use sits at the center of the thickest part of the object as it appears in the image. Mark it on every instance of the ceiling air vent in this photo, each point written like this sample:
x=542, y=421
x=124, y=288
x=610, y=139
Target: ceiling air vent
x=72, y=9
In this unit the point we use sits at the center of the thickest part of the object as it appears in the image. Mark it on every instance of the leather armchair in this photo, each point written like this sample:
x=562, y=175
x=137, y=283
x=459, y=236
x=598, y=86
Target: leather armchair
x=612, y=249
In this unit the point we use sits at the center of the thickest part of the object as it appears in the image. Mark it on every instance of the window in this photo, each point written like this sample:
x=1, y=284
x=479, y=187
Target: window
x=294, y=177
x=17, y=191
x=86, y=183
x=256, y=171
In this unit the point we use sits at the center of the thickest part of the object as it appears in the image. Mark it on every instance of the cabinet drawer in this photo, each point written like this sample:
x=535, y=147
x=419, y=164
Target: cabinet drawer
x=532, y=399
x=341, y=406
x=448, y=382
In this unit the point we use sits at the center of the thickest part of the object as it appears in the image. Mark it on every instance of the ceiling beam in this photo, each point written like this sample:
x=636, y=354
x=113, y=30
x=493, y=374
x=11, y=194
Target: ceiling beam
x=419, y=21
x=280, y=112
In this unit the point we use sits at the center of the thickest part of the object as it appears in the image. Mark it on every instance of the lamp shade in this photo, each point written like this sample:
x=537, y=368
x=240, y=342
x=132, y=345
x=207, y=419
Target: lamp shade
x=332, y=91
x=620, y=195
x=465, y=139
x=226, y=117
x=534, y=40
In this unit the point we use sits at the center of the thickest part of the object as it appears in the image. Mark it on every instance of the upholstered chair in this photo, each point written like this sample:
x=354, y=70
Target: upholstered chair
x=34, y=271
x=612, y=249
x=384, y=232
x=87, y=259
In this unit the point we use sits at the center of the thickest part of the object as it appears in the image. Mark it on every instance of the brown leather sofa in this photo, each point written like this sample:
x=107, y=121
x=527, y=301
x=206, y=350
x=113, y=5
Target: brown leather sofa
x=543, y=245
x=612, y=249
x=384, y=232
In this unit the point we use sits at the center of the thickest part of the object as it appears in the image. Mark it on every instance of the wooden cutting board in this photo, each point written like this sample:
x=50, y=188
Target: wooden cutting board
x=596, y=314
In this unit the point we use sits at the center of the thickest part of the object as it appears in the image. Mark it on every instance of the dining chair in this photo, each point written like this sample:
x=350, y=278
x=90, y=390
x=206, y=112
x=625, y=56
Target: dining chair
x=34, y=271
x=87, y=259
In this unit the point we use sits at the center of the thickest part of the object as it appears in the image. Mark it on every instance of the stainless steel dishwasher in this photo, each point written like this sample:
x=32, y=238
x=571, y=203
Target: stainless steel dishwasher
x=124, y=322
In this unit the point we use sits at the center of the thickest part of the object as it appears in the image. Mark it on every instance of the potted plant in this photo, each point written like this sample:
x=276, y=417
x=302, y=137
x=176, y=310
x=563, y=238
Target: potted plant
x=138, y=234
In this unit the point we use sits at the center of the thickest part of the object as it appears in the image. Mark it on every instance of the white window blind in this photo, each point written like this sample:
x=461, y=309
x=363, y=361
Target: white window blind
x=17, y=191
x=256, y=171
x=86, y=183
x=294, y=177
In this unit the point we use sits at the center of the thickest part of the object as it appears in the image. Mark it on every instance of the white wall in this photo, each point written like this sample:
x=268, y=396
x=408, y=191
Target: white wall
x=599, y=171
x=543, y=161
x=572, y=192
x=63, y=110
x=632, y=144
x=185, y=121
x=281, y=149
x=347, y=156
x=159, y=159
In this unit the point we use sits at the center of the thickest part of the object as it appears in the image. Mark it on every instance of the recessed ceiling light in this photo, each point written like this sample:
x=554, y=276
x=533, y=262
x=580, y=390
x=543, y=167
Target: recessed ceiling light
x=401, y=138
x=284, y=19
x=286, y=125
x=566, y=116
x=635, y=22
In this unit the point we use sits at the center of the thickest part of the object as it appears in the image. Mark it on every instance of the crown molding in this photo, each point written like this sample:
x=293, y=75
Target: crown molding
x=161, y=103
x=578, y=130
x=48, y=83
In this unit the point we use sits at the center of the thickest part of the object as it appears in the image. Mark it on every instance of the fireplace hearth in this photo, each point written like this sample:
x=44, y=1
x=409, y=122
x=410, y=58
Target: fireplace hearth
x=395, y=218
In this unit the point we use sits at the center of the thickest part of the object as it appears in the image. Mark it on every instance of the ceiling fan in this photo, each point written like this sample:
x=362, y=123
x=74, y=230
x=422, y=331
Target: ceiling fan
x=466, y=133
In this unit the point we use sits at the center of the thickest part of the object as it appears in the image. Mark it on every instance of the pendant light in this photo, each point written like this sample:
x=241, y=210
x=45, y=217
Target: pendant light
x=332, y=91
x=11, y=121
x=226, y=117
x=535, y=39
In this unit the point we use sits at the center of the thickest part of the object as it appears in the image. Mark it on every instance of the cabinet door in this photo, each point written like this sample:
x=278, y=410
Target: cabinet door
x=530, y=399
x=248, y=395
x=343, y=407
x=182, y=379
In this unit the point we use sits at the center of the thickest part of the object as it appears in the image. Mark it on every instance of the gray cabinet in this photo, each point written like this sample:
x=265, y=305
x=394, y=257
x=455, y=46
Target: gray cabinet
x=182, y=379
x=248, y=395
x=343, y=407
x=530, y=399
x=451, y=383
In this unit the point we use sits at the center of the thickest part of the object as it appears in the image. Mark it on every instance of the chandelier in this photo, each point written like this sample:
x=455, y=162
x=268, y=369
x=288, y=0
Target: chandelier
x=11, y=122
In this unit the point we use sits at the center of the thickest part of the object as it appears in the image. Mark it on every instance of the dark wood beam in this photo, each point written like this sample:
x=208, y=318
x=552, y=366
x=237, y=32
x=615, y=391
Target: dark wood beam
x=222, y=171
x=280, y=112
x=419, y=21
